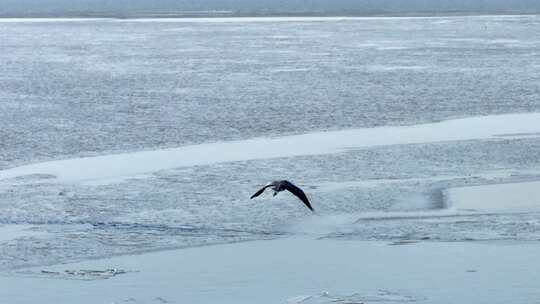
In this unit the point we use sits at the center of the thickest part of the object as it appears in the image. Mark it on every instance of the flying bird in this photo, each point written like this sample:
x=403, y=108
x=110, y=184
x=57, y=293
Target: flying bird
x=281, y=185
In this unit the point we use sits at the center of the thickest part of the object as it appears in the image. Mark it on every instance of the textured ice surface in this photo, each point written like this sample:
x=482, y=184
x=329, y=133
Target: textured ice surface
x=11, y=232
x=100, y=87
x=116, y=166
x=385, y=193
x=383, y=296
x=83, y=274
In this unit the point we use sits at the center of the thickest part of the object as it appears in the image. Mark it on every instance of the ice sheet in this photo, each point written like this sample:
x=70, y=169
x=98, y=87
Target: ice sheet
x=512, y=197
x=297, y=270
x=130, y=164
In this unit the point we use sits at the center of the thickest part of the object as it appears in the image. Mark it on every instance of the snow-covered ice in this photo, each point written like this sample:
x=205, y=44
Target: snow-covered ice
x=128, y=165
x=511, y=197
x=416, y=139
x=299, y=270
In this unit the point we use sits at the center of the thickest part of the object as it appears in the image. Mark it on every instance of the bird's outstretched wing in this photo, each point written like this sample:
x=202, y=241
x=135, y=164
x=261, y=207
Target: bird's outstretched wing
x=298, y=192
x=260, y=191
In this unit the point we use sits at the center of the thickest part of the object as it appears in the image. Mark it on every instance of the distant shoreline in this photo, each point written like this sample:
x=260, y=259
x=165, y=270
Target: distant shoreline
x=232, y=14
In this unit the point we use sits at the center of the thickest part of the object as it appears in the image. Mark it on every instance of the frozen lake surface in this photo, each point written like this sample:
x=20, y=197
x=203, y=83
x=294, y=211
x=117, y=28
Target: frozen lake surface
x=360, y=272
x=125, y=136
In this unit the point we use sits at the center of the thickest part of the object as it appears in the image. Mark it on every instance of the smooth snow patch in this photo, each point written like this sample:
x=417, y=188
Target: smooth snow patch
x=391, y=48
x=386, y=68
x=130, y=164
x=514, y=197
x=281, y=270
x=239, y=19
x=376, y=182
